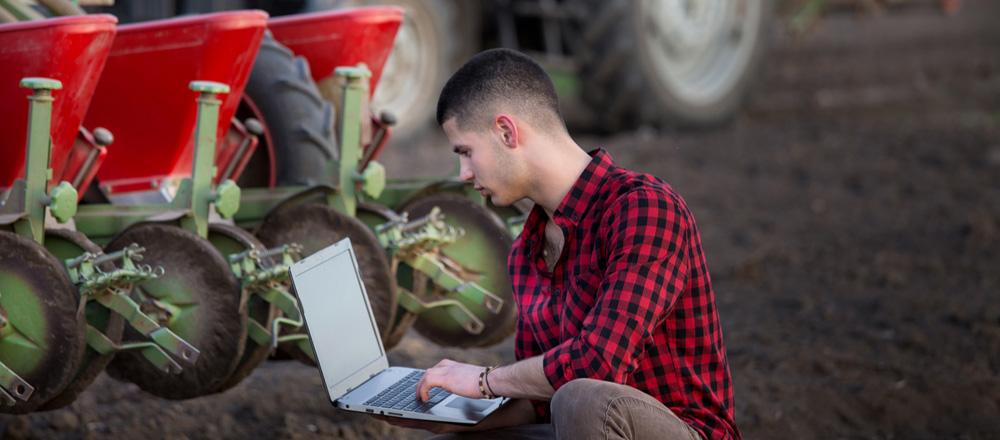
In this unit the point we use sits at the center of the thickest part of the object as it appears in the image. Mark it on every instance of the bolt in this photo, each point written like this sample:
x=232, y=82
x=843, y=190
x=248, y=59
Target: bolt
x=132, y=251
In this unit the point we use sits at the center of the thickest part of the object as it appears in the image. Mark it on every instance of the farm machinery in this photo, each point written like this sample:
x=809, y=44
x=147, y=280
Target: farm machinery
x=163, y=176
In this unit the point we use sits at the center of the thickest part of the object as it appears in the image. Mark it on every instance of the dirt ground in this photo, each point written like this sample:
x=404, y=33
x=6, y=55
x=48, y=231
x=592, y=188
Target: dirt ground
x=851, y=219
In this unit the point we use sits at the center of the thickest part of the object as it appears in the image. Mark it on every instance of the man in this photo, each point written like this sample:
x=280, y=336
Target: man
x=618, y=335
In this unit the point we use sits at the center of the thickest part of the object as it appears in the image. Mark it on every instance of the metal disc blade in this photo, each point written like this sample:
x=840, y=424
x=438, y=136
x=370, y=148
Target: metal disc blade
x=199, y=284
x=373, y=215
x=315, y=227
x=230, y=240
x=44, y=338
x=66, y=244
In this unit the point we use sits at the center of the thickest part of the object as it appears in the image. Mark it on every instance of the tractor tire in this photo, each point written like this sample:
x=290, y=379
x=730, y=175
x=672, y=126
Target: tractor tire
x=66, y=244
x=653, y=62
x=44, y=333
x=298, y=123
x=436, y=37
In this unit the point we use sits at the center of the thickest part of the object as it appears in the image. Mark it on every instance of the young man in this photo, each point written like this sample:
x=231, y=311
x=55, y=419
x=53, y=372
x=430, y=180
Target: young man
x=618, y=335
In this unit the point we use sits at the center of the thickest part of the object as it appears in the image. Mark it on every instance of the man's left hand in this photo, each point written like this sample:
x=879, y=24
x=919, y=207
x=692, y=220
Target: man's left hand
x=454, y=377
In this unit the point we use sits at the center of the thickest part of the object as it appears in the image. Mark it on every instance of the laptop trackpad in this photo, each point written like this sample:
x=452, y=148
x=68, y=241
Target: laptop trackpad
x=471, y=404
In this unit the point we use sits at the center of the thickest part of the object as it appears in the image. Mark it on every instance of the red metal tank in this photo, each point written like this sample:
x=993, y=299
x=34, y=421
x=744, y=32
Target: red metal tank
x=72, y=50
x=343, y=37
x=144, y=99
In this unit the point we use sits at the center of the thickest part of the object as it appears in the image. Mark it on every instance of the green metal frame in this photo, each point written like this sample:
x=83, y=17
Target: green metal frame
x=417, y=249
x=191, y=206
x=29, y=197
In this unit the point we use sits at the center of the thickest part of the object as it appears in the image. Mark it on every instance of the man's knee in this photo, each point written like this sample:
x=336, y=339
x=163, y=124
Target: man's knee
x=580, y=398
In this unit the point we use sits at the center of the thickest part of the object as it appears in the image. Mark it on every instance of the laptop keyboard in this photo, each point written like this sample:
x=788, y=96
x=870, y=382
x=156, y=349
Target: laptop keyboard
x=402, y=395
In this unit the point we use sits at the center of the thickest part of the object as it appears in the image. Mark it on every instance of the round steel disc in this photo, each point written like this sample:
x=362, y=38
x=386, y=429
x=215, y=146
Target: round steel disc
x=483, y=251
x=315, y=227
x=44, y=338
x=66, y=244
x=197, y=280
x=230, y=240
x=373, y=215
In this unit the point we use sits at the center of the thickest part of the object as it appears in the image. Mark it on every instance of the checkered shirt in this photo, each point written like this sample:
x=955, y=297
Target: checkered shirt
x=629, y=301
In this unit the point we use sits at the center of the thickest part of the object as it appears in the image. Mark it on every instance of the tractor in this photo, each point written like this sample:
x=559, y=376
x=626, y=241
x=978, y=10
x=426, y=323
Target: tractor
x=152, y=206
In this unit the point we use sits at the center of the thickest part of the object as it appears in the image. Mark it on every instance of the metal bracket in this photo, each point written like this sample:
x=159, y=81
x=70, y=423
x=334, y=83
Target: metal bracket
x=13, y=386
x=452, y=284
x=418, y=243
x=100, y=343
x=145, y=325
x=455, y=309
x=261, y=280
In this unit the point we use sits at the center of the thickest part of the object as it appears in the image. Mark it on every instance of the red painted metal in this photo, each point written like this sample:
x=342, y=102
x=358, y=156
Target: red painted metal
x=343, y=37
x=143, y=96
x=70, y=49
x=228, y=154
x=85, y=157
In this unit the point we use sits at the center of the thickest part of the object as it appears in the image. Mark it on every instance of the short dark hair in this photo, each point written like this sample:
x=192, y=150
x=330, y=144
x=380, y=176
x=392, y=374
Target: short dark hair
x=499, y=79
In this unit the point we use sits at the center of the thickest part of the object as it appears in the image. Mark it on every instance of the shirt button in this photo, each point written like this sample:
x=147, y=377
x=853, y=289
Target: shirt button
x=575, y=218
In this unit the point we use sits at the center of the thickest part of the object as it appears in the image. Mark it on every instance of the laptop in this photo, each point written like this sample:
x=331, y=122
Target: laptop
x=349, y=349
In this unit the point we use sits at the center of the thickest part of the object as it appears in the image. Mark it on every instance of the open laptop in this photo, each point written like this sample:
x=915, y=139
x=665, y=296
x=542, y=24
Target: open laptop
x=349, y=348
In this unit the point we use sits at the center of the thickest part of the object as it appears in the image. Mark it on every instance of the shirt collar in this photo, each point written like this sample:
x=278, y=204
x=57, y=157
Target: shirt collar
x=575, y=204
x=579, y=198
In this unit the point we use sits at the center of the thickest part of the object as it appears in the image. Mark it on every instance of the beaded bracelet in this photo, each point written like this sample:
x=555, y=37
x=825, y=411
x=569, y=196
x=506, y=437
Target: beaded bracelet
x=482, y=386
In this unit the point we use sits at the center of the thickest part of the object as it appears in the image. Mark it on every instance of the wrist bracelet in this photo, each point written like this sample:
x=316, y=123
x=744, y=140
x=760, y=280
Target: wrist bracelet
x=482, y=386
x=486, y=378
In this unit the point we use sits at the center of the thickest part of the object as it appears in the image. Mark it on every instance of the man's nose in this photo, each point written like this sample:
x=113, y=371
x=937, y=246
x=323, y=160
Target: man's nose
x=465, y=172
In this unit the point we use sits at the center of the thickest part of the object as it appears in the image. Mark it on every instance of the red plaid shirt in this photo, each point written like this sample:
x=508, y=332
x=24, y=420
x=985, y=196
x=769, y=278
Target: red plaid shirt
x=629, y=301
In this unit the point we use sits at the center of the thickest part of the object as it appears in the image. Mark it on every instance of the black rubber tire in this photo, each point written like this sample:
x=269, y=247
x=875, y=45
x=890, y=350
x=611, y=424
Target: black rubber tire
x=300, y=124
x=66, y=244
x=619, y=76
x=443, y=34
x=24, y=262
x=486, y=233
x=231, y=239
x=217, y=326
x=315, y=227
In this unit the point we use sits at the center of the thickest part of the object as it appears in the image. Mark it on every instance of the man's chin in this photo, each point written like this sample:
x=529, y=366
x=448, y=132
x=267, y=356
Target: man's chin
x=499, y=202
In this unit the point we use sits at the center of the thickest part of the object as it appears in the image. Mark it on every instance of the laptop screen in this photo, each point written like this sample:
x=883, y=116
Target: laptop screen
x=339, y=318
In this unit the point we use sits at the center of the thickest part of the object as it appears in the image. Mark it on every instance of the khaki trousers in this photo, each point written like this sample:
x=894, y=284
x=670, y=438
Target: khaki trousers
x=586, y=409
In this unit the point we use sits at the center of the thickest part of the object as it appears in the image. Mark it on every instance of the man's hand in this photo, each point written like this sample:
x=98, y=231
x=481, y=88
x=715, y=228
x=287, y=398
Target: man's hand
x=454, y=377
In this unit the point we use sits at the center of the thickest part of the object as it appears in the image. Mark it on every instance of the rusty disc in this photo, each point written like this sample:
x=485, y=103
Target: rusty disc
x=43, y=337
x=483, y=252
x=230, y=240
x=198, y=281
x=315, y=227
x=66, y=244
x=373, y=215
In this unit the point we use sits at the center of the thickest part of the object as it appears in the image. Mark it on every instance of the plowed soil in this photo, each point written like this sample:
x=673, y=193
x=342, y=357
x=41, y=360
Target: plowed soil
x=851, y=218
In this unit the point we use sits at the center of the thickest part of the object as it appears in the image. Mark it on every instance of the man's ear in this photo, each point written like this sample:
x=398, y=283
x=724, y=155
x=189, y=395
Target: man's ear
x=506, y=129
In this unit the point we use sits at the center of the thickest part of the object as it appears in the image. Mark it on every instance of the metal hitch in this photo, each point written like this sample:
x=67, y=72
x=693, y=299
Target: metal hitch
x=110, y=288
x=261, y=275
x=417, y=243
